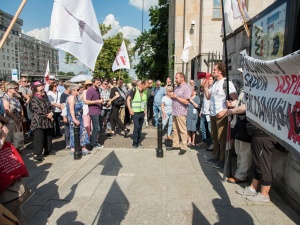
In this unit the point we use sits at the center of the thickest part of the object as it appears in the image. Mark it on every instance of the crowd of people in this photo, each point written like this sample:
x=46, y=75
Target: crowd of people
x=108, y=105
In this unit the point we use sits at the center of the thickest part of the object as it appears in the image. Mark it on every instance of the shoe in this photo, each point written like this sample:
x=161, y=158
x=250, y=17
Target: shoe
x=140, y=145
x=68, y=147
x=134, y=146
x=211, y=160
x=234, y=180
x=258, y=198
x=85, y=152
x=201, y=143
x=169, y=137
x=126, y=133
x=219, y=165
x=38, y=158
x=182, y=152
x=49, y=153
x=98, y=146
x=173, y=148
x=246, y=191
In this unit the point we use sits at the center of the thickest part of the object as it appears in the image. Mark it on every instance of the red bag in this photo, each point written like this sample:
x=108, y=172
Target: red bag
x=12, y=167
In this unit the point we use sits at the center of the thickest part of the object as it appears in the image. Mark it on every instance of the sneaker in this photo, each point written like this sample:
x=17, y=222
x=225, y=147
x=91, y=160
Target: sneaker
x=246, y=191
x=211, y=160
x=126, y=133
x=258, y=198
x=98, y=146
x=219, y=165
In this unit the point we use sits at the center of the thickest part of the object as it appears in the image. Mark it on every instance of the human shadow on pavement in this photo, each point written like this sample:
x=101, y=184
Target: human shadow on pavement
x=69, y=218
x=227, y=213
x=198, y=217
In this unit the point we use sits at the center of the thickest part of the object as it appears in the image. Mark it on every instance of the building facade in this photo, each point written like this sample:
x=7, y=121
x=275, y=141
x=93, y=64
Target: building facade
x=26, y=54
x=202, y=21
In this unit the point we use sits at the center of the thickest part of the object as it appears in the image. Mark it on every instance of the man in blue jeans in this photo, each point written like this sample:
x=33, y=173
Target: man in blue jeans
x=158, y=92
x=94, y=100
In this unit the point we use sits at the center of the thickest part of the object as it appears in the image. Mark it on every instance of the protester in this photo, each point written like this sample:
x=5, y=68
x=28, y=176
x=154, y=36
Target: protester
x=63, y=99
x=85, y=113
x=48, y=82
x=60, y=87
x=218, y=110
x=54, y=98
x=106, y=110
x=123, y=92
x=13, y=110
x=168, y=82
x=166, y=108
x=74, y=107
x=150, y=99
x=41, y=122
x=137, y=105
x=205, y=126
x=192, y=116
x=115, y=119
x=180, y=97
x=94, y=102
x=158, y=93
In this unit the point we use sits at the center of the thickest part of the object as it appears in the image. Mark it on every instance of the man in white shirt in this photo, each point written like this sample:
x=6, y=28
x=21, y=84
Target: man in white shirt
x=218, y=110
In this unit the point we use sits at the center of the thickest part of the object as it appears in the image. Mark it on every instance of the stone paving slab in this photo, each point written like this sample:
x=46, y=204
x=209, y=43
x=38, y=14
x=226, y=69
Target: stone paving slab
x=120, y=185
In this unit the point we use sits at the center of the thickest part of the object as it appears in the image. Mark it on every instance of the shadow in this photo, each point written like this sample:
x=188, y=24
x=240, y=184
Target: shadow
x=227, y=214
x=198, y=217
x=111, y=165
x=114, y=207
x=69, y=218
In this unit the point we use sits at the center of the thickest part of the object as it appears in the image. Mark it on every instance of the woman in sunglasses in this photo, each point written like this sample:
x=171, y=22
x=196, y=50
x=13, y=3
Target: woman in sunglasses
x=74, y=106
x=41, y=122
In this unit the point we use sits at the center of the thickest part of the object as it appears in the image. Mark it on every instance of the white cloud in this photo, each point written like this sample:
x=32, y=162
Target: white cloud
x=147, y=3
x=129, y=33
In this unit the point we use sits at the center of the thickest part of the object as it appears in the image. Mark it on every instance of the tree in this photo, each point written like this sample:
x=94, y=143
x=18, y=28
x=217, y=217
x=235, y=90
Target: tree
x=152, y=45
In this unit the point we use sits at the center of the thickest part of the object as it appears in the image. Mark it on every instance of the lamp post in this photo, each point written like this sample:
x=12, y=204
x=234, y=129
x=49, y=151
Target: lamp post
x=143, y=16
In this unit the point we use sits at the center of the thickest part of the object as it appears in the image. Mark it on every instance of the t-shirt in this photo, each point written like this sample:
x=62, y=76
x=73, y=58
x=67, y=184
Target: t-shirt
x=113, y=91
x=94, y=94
x=63, y=98
x=54, y=98
x=167, y=103
x=25, y=90
x=218, y=96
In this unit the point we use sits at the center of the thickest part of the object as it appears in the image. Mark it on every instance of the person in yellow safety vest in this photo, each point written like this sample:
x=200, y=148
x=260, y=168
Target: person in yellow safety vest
x=137, y=106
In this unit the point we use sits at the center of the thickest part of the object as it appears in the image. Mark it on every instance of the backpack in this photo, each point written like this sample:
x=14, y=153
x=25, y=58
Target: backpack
x=236, y=83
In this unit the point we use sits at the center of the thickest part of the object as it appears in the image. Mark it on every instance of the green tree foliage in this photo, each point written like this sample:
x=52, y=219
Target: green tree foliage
x=152, y=45
x=107, y=55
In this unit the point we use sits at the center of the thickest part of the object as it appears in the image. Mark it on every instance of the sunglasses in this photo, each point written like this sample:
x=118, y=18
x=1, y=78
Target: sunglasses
x=42, y=90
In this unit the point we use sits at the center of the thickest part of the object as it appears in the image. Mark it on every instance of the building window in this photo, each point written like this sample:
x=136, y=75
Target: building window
x=3, y=57
x=8, y=65
x=217, y=10
x=7, y=58
x=7, y=50
x=4, y=64
x=12, y=58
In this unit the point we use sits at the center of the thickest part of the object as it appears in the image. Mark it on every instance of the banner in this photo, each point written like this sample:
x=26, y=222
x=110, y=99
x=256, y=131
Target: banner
x=273, y=97
x=122, y=59
x=185, y=52
x=47, y=74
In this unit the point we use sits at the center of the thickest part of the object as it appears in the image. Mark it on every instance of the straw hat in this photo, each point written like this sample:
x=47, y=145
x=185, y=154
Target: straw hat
x=88, y=82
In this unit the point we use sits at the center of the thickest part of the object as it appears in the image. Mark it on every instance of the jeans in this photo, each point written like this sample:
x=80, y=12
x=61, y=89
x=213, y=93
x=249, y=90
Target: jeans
x=67, y=134
x=57, y=118
x=168, y=120
x=204, y=134
x=96, y=128
x=138, y=121
x=156, y=112
x=105, y=113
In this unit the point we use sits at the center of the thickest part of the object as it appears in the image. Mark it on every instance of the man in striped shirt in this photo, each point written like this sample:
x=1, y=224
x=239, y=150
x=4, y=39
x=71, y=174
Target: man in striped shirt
x=181, y=98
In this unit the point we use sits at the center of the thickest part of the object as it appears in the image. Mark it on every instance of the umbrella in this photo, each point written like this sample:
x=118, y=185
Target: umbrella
x=81, y=77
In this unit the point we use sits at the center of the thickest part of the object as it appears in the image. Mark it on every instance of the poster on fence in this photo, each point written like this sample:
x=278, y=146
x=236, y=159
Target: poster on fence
x=273, y=97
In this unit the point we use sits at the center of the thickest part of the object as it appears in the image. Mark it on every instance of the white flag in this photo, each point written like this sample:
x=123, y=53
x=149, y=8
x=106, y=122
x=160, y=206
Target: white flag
x=185, y=52
x=75, y=29
x=47, y=74
x=122, y=59
x=237, y=12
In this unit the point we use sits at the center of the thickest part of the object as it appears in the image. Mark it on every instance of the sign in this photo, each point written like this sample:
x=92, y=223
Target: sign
x=268, y=32
x=14, y=75
x=273, y=97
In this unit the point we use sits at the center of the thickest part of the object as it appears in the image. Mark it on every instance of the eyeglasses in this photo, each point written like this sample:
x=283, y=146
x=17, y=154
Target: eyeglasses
x=42, y=90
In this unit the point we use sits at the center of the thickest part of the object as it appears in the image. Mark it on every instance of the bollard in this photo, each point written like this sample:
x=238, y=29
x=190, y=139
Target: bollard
x=159, y=150
x=78, y=150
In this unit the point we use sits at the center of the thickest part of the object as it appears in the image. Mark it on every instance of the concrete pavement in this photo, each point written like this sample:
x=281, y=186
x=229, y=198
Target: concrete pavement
x=120, y=185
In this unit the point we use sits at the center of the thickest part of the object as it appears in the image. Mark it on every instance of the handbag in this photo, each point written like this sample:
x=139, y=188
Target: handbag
x=18, y=137
x=12, y=167
x=119, y=101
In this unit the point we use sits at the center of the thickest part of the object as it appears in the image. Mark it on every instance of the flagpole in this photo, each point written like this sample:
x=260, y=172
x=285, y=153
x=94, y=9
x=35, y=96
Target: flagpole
x=244, y=19
x=228, y=97
x=12, y=23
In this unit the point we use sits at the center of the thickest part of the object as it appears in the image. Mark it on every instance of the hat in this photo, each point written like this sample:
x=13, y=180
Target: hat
x=88, y=82
x=52, y=78
x=37, y=83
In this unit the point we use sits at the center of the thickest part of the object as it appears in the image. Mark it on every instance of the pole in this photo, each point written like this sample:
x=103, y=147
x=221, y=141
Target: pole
x=78, y=151
x=228, y=151
x=143, y=17
x=12, y=23
x=159, y=150
x=244, y=19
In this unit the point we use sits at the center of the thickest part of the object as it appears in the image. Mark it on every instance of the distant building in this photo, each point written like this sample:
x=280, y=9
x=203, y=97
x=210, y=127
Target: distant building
x=27, y=54
x=202, y=20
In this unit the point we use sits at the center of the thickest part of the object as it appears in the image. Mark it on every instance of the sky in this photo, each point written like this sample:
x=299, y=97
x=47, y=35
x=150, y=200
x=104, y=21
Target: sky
x=124, y=16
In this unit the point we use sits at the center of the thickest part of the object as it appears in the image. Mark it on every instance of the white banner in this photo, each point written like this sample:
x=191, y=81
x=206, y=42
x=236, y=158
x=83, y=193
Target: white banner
x=122, y=60
x=273, y=97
